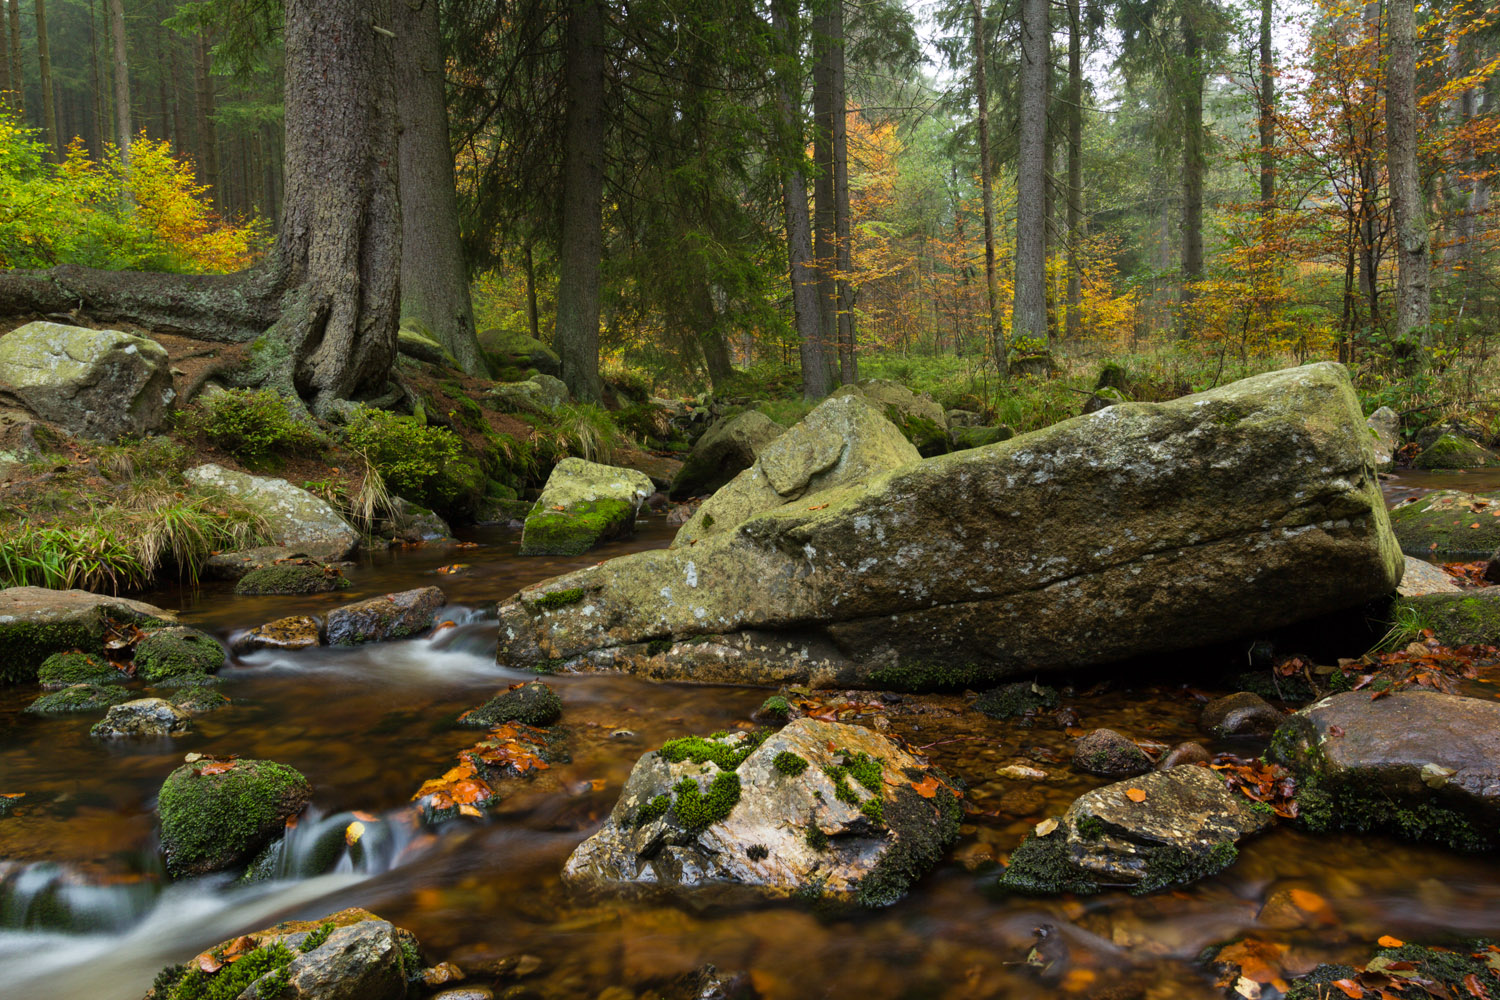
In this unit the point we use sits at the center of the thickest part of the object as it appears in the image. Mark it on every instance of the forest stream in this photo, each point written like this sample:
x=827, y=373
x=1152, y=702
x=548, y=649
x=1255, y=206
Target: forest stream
x=86, y=912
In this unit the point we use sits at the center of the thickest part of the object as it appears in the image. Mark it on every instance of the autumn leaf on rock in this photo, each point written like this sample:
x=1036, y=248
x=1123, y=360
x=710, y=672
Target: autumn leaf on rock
x=1135, y=794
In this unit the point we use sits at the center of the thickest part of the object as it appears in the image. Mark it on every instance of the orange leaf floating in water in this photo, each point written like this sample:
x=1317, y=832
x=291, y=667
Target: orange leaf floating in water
x=1386, y=941
x=1135, y=794
x=1253, y=959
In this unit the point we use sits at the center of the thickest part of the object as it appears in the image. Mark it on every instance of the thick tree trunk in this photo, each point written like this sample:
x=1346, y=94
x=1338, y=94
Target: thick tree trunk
x=1030, y=311
x=208, y=150
x=533, y=319
x=123, y=131
x=1192, y=165
x=44, y=68
x=582, y=246
x=842, y=220
x=825, y=217
x=799, y=248
x=1267, y=115
x=1413, y=297
x=1074, y=325
x=17, y=71
x=987, y=196
x=711, y=336
x=434, y=276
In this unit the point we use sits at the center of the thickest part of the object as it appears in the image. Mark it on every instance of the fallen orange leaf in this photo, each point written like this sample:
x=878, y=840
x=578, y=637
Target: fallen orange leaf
x=1135, y=794
x=1386, y=941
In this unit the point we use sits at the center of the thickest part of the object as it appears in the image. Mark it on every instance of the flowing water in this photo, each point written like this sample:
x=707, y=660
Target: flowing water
x=86, y=913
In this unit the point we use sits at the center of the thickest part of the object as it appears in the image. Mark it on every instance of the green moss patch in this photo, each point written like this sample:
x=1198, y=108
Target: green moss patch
x=925, y=675
x=65, y=669
x=79, y=698
x=175, y=652
x=696, y=810
x=291, y=578
x=574, y=531
x=532, y=703
x=789, y=763
x=264, y=967
x=921, y=831
x=558, y=598
x=1454, y=452
x=214, y=817
x=1021, y=698
x=700, y=750
x=1441, y=525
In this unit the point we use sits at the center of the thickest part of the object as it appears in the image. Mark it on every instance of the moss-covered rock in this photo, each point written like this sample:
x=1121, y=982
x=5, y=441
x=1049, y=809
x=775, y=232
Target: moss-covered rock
x=532, y=703
x=978, y=437
x=142, y=718
x=583, y=504
x=1011, y=700
x=1448, y=524
x=79, y=698
x=1467, y=969
x=36, y=622
x=66, y=669
x=292, y=632
x=1450, y=451
x=100, y=384
x=922, y=420
x=219, y=814
x=1457, y=619
x=199, y=699
x=727, y=448
x=513, y=350
x=292, y=578
x=177, y=652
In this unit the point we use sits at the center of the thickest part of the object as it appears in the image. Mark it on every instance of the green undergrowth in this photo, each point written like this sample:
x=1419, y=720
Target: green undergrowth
x=424, y=464
x=255, y=426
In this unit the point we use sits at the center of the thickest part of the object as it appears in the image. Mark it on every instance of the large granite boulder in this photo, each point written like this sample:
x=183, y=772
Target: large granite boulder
x=1141, y=528
x=1448, y=524
x=97, y=384
x=843, y=440
x=1420, y=764
x=36, y=622
x=349, y=955
x=297, y=522
x=921, y=419
x=584, y=503
x=818, y=809
x=726, y=449
x=218, y=813
x=1151, y=832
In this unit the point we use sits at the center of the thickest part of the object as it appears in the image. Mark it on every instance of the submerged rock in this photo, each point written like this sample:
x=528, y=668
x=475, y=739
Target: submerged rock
x=532, y=703
x=292, y=578
x=140, y=718
x=483, y=775
x=177, y=652
x=1151, y=832
x=349, y=955
x=62, y=670
x=819, y=809
x=844, y=439
x=79, y=698
x=380, y=619
x=1420, y=764
x=295, y=519
x=726, y=449
x=218, y=814
x=583, y=504
x=98, y=384
x=1166, y=526
x=1242, y=714
x=199, y=699
x=1110, y=755
x=290, y=633
x=36, y=622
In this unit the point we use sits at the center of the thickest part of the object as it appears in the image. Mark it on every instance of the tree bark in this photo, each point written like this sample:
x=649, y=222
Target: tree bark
x=208, y=152
x=6, y=58
x=17, y=71
x=533, y=319
x=824, y=214
x=581, y=248
x=1267, y=115
x=1413, y=301
x=1192, y=162
x=123, y=131
x=1074, y=325
x=799, y=248
x=715, y=345
x=1030, y=312
x=987, y=197
x=434, y=275
x=44, y=68
x=842, y=220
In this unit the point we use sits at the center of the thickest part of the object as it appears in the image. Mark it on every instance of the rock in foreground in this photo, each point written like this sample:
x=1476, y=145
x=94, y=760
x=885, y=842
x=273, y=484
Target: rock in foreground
x=818, y=809
x=217, y=814
x=349, y=955
x=1420, y=764
x=1147, y=833
x=1141, y=528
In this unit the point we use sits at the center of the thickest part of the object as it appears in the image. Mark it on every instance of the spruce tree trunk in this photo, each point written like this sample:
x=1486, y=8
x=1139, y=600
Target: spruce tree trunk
x=825, y=217
x=208, y=149
x=581, y=249
x=44, y=68
x=987, y=197
x=123, y=131
x=533, y=319
x=1074, y=325
x=1192, y=165
x=1030, y=311
x=842, y=221
x=434, y=276
x=17, y=71
x=6, y=101
x=1267, y=115
x=1409, y=208
x=799, y=248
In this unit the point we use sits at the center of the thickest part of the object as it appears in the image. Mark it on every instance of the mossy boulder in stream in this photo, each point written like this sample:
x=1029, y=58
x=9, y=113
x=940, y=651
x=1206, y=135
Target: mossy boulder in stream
x=818, y=810
x=177, y=652
x=1450, y=451
x=65, y=669
x=532, y=704
x=583, y=504
x=79, y=698
x=218, y=814
x=349, y=955
x=1419, y=764
x=36, y=622
x=1448, y=524
x=1151, y=832
x=142, y=718
x=1463, y=969
x=1143, y=528
x=1465, y=618
x=292, y=578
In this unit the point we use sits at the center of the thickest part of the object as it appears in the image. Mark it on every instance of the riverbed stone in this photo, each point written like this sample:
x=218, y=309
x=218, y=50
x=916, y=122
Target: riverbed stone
x=1420, y=764
x=293, y=577
x=414, y=524
x=177, y=652
x=381, y=619
x=1151, y=832
x=844, y=439
x=1448, y=524
x=36, y=622
x=726, y=449
x=218, y=814
x=1452, y=451
x=200, y=698
x=819, y=809
x=79, y=698
x=1464, y=618
x=294, y=518
x=1109, y=754
x=1385, y=427
x=98, y=384
x=1422, y=577
x=62, y=670
x=290, y=633
x=349, y=955
x=582, y=504
x=532, y=703
x=143, y=717
x=1143, y=528
x=1239, y=714
x=918, y=416
x=1188, y=752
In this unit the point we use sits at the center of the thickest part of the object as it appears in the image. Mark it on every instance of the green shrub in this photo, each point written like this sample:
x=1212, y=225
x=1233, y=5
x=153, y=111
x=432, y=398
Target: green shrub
x=255, y=426
x=422, y=464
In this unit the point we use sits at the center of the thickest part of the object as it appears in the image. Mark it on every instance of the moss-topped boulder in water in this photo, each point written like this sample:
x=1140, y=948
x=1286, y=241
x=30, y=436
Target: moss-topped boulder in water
x=583, y=504
x=142, y=718
x=1465, y=618
x=177, y=652
x=817, y=810
x=36, y=622
x=1450, y=451
x=66, y=669
x=220, y=814
x=79, y=698
x=292, y=578
x=1448, y=524
x=532, y=704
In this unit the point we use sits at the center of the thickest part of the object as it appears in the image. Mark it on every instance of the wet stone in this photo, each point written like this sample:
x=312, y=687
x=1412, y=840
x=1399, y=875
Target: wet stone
x=1184, y=753
x=290, y=633
x=1242, y=714
x=142, y=717
x=1110, y=755
x=532, y=703
x=381, y=619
